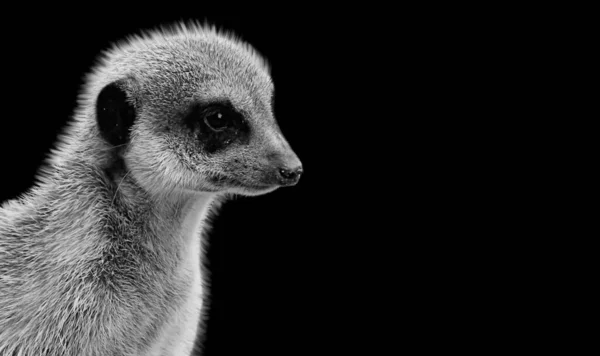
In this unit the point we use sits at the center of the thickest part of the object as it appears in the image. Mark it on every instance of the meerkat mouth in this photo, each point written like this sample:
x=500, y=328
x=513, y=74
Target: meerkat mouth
x=252, y=186
x=221, y=179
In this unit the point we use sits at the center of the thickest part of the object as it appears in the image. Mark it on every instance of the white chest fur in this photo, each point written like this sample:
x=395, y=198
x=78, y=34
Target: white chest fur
x=180, y=331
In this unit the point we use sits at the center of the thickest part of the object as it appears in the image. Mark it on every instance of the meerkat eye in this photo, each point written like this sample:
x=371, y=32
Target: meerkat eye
x=218, y=120
x=217, y=125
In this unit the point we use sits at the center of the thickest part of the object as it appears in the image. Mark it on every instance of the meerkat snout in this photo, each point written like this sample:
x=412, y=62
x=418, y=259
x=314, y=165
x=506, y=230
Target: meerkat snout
x=289, y=171
x=290, y=176
x=286, y=165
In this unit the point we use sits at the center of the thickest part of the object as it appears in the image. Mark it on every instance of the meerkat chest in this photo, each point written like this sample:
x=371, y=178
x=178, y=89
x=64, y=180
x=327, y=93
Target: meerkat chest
x=180, y=329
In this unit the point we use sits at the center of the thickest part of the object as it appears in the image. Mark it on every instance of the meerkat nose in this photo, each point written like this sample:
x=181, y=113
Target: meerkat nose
x=289, y=176
x=287, y=166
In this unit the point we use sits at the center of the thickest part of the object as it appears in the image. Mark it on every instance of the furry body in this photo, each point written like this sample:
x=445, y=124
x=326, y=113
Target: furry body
x=102, y=256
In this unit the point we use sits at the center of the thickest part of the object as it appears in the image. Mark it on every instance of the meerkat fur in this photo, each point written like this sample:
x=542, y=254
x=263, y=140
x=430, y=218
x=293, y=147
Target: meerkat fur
x=102, y=256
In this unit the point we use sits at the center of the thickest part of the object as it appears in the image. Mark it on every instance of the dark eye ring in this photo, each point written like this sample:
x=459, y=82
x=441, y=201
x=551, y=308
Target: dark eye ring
x=216, y=121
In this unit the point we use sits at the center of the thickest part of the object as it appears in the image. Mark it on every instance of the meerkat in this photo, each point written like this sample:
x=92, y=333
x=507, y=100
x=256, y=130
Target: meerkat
x=103, y=255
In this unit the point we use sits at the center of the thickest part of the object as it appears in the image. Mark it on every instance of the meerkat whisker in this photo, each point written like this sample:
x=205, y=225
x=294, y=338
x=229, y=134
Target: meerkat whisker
x=118, y=186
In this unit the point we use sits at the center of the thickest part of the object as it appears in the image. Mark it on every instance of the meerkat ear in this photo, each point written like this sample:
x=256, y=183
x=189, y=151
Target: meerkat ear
x=115, y=112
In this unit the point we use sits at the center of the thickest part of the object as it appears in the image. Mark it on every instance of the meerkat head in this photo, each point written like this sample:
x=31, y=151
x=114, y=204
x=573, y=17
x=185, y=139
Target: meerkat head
x=190, y=109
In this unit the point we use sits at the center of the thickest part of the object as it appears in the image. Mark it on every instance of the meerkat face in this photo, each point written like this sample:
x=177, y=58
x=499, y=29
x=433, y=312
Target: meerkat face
x=195, y=115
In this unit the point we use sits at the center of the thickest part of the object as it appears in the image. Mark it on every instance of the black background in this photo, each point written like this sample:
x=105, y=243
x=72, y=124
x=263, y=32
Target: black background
x=285, y=268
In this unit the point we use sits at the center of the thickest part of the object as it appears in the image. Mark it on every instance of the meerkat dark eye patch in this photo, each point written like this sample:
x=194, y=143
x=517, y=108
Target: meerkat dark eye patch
x=114, y=114
x=217, y=125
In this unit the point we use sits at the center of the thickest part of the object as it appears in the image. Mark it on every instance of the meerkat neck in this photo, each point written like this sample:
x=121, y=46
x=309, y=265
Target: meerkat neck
x=172, y=217
x=169, y=222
